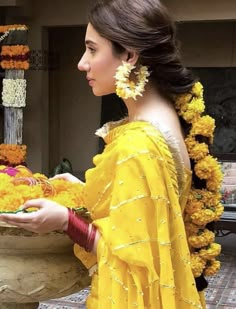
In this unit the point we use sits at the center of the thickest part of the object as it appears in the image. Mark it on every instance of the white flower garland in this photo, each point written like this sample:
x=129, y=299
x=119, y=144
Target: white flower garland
x=125, y=88
x=14, y=92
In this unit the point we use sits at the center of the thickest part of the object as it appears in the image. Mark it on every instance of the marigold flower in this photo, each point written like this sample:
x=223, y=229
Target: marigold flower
x=211, y=252
x=13, y=27
x=181, y=102
x=191, y=228
x=204, y=126
x=24, y=185
x=203, y=216
x=197, y=264
x=199, y=151
x=193, y=206
x=195, y=108
x=219, y=209
x=12, y=154
x=197, y=89
x=212, y=267
x=12, y=50
x=202, y=239
x=215, y=181
x=206, y=167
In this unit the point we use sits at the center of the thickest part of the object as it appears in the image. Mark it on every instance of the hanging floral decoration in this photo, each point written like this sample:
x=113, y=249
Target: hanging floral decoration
x=13, y=27
x=14, y=92
x=12, y=154
x=203, y=205
x=15, y=57
x=13, y=34
x=18, y=184
x=15, y=51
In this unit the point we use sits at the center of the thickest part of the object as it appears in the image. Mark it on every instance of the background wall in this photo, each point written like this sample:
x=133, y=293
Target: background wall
x=203, y=10
x=74, y=112
x=208, y=44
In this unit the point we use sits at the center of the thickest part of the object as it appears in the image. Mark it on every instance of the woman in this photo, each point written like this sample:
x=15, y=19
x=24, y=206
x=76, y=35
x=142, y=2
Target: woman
x=137, y=191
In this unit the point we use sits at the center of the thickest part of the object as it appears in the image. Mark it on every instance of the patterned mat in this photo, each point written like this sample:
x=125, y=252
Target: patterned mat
x=77, y=300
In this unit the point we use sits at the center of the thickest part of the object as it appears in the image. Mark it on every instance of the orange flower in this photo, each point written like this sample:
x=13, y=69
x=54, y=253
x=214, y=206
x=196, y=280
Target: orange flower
x=12, y=154
x=14, y=50
x=15, y=57
x=13, y=27
x=19, y=65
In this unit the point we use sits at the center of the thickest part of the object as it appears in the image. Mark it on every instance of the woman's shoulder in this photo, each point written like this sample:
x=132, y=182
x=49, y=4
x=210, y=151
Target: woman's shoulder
x=139, y=135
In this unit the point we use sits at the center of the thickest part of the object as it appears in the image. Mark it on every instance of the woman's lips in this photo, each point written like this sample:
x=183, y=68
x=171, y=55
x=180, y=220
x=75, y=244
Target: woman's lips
x=90, y=81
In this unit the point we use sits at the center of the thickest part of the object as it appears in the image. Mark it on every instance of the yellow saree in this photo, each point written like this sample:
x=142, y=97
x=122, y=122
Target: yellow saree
x=132, y=193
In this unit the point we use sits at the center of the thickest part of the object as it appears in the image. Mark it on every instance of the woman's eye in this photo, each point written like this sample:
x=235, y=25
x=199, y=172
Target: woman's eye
x=92, y=50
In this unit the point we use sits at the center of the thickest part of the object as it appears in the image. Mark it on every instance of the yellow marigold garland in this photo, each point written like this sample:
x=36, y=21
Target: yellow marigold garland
x=201, y=239
x=198, y=264
x=212, y=251
x=204, y=126
x=212, y=267
x=203, y=206
x=197, y=151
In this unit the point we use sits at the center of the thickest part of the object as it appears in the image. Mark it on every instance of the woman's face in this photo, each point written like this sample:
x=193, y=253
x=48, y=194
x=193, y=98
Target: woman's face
x=99, y=63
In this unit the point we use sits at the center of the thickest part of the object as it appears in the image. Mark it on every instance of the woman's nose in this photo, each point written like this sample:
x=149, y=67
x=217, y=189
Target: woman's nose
x=83, y=64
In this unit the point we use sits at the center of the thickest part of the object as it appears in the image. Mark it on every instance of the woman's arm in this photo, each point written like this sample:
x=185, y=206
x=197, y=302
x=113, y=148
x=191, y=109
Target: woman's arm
x=52, y=216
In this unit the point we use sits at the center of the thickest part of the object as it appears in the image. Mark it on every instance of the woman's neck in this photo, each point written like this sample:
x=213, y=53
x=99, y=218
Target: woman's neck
x=147, y=106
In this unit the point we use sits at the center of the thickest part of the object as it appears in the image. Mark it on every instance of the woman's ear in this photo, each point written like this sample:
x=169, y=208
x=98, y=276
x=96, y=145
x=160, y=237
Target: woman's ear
x=131, y=57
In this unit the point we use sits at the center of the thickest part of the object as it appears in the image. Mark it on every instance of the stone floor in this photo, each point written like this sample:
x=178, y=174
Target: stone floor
x=220, y=294
x=70, y=302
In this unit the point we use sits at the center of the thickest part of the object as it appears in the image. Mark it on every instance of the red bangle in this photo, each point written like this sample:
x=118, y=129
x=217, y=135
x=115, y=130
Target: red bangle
x=91, y=238
x=78, y=231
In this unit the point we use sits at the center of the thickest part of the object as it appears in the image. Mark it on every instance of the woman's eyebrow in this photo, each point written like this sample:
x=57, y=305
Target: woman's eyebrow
x=90, y=42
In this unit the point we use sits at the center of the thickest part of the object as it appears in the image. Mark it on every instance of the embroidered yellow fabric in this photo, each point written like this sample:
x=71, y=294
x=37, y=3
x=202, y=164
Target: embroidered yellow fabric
x=132, y=193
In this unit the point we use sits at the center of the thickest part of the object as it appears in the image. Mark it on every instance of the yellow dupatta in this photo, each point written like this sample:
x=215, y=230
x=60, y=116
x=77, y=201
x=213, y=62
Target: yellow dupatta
x=132, y=193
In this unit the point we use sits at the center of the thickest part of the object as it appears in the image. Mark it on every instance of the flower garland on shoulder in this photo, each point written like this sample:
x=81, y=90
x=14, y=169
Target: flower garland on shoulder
x=204, y=202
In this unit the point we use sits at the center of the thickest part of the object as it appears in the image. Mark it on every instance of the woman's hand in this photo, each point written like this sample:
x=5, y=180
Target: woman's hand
x=68, y=177
x=49, y=217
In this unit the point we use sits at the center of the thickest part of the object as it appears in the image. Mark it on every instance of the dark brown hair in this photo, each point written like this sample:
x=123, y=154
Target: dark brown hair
x=146, y=27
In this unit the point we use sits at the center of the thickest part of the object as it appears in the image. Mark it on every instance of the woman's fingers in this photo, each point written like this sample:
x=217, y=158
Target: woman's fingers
x=20, y=222
x=67, y=176
x=37, y=203
x=19, y=217
x=49, y=217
